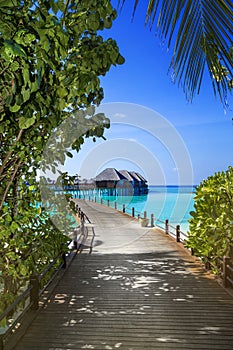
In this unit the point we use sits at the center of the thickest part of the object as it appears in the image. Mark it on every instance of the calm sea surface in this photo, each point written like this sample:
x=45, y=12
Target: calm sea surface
x=165, y=202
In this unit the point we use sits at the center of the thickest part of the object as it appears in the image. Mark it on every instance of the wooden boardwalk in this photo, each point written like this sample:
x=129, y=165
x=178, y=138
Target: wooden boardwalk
x=137, y=290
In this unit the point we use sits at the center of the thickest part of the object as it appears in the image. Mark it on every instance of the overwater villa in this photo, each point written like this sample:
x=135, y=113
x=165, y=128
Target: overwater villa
x=121, y=182
x=110, y=182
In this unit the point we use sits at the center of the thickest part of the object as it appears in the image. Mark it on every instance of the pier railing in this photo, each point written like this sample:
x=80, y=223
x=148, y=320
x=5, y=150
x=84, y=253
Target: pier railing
x=10, y=319
x=172, y=230
x=30, y=297
x=223, y=267
x=85, y=225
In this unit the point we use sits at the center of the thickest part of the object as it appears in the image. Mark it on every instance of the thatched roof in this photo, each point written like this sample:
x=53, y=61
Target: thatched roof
x=138, y=176
x=134, y=176
x=109, y=174
x=126, y=174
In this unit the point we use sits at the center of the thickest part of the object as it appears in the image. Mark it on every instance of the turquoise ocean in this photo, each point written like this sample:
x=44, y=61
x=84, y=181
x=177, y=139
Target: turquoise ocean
x=164, y=202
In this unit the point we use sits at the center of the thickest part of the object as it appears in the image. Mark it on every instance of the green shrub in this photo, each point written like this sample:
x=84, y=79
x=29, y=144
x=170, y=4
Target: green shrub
x=211, y=225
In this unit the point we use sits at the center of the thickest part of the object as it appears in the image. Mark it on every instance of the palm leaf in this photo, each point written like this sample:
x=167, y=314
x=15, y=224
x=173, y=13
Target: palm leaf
x=201, y=35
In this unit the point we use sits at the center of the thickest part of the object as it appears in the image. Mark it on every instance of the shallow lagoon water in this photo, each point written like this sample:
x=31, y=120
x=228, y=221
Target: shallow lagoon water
x=165, y=202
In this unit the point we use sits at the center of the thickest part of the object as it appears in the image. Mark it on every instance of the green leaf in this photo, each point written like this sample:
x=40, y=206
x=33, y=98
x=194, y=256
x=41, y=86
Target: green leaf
x=26, y=75
x=23, y=270
x=62, y=92
x=14, y=66
x=29, y=38
x=34, y=86
x=7, y=3
x=120, y=59
x=93, y=21
x=61, y=5
x=25, y=123
x=8, y=218
x=26, y=95
x=15, y=48
x=14, y=108
x=70, y=155
x=14, y=226
x=8, y=100
x=108, y=23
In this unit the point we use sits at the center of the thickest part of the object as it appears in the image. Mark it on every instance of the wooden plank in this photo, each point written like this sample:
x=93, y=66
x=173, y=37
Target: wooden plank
x=154, y=296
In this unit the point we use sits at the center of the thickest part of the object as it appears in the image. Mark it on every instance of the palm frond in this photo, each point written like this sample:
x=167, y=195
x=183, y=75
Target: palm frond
x=200, y=33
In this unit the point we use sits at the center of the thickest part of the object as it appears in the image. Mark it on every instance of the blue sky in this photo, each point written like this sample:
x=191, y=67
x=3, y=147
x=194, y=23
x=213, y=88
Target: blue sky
x=203, y=126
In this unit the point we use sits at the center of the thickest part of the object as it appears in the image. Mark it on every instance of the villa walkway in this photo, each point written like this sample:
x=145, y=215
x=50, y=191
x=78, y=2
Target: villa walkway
x=137, y=290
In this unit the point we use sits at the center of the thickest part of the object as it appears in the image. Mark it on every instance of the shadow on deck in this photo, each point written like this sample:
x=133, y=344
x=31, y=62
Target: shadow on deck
x=133, y=301
x=138, y=290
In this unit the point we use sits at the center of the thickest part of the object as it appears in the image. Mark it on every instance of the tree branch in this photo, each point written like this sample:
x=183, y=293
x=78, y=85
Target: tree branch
x=65, y=12
x=10, y=152
x=9, y=184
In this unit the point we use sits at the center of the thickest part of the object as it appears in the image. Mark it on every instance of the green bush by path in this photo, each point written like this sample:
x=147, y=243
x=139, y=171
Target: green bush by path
x=211, y=225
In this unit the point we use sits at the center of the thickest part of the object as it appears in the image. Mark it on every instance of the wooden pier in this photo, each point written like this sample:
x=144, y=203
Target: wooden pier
x=139, y=289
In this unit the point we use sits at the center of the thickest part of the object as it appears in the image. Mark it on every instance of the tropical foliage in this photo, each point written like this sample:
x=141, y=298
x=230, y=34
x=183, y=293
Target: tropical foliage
x=211, y=225
x=200, y=33
x=51, y=57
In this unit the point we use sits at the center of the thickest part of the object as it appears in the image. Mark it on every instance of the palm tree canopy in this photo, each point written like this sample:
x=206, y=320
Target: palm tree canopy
x=201, y=34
